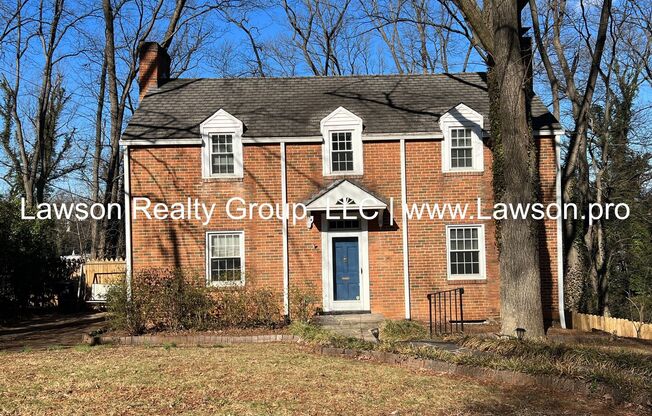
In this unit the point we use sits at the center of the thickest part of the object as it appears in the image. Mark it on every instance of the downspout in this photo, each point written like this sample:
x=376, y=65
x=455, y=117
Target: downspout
x=560, y=246
x=404, y=226
x=127, y=198
x=286, y=271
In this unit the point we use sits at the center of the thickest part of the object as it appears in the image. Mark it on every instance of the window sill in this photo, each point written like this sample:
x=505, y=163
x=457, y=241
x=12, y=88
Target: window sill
x=466, y=280
x=344, y=175
x=463, y=172
x=218, y=285
x=223, y=179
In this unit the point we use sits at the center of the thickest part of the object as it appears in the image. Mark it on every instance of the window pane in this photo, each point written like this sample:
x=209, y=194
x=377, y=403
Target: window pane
x=464, y=255
x=341, y=152
x=226, y=258
x=222, y=157
x=461, y=148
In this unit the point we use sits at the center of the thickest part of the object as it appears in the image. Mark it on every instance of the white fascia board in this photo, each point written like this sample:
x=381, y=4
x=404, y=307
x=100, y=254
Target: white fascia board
x=162, y=142
x=402, y=136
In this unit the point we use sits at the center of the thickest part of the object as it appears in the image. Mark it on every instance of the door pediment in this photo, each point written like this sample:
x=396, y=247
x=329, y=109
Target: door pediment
x=345, y=193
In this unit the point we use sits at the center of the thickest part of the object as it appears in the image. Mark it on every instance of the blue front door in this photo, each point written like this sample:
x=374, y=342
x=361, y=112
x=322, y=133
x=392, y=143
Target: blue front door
x=346, y=270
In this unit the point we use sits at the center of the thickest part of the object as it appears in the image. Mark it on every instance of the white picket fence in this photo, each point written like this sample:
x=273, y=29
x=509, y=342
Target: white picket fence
x=617, y=326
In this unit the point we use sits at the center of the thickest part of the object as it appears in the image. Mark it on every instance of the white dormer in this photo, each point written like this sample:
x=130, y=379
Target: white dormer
x=462, y=149
x=221, y=136
x=342, y=147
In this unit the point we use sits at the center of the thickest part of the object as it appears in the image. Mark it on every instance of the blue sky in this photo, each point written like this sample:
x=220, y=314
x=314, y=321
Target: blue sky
x=224, y=42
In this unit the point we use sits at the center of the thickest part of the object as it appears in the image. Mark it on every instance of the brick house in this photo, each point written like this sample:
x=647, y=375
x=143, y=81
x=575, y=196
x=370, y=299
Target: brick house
x=370, y=144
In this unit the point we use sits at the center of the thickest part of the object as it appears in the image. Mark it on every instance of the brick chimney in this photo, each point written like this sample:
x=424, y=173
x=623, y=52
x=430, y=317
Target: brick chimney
x=154, y=67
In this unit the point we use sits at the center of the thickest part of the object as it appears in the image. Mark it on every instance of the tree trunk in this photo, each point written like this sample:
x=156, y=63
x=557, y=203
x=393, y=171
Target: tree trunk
x=517, y=175
x=96, y=230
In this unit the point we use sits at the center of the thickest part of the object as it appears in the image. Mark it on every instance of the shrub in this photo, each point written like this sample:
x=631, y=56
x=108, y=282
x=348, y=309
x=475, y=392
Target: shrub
x=171, y=300
x=303, y=303
x=402, y=331
x=246, y=307
x=161, y=300
x=125, y=314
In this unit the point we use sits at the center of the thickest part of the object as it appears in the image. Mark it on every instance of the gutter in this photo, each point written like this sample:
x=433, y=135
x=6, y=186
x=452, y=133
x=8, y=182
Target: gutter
x=286, y=269
x=127, y=197
x=560, y=243
x=404, y=226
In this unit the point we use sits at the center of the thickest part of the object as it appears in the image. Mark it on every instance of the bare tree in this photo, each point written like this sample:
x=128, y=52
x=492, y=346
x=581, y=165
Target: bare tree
x=38, y=154
x=317, y=25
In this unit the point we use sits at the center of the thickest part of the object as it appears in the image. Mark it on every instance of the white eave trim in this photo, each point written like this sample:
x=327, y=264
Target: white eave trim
x=162, y=142
x=369, y=137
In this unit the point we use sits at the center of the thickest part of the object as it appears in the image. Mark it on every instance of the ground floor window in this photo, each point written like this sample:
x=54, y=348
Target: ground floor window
x=466, y=253
x=225, y=258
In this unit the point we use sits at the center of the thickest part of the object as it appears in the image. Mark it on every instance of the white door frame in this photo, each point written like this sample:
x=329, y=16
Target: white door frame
x=329, y=304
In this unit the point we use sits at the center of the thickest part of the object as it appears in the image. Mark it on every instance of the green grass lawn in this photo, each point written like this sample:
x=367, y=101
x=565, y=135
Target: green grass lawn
x=255, y=379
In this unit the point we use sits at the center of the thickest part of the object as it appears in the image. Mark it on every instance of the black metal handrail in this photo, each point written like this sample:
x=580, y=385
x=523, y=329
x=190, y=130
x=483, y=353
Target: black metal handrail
x=446, y=310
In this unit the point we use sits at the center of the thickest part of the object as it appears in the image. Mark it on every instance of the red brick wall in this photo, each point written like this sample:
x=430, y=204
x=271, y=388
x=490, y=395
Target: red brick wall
x=171, y=174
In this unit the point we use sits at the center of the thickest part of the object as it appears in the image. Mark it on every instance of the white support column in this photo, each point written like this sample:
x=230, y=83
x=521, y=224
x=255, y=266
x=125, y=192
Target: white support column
x=286, y=271
x=404, y=226
x=560, y=243
x=127, y=198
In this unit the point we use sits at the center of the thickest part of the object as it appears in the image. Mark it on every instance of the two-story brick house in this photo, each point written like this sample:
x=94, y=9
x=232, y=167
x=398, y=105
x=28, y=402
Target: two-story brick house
x=372, y=143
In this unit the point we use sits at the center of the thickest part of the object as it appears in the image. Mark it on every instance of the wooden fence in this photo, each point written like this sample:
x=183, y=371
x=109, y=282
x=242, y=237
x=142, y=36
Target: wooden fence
x=617, y=326
x=103, y=271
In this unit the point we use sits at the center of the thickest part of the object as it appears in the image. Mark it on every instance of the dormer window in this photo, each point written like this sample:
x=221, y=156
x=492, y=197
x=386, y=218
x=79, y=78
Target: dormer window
x=222, y=158
x=341, y=151
x=222, y=146
x=342, y=148
x=462, y=148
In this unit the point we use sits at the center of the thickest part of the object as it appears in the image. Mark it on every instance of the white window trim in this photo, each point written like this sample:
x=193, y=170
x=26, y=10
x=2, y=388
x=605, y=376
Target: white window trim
x=222, y=123
x=342, y=120
x=462, y=116
x=207, y=253
x=482, y=257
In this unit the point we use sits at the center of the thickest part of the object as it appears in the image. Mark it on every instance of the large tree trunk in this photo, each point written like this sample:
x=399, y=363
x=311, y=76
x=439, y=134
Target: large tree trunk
x=515, y=158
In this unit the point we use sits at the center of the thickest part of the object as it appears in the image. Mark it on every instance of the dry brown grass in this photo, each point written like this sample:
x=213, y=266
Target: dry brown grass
x=258, y=379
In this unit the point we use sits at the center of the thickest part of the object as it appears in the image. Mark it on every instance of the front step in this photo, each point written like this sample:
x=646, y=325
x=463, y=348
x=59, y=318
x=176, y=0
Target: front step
x=357, y=325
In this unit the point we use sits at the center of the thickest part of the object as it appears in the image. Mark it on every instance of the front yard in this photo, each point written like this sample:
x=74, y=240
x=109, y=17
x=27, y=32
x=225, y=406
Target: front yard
x=252, y=379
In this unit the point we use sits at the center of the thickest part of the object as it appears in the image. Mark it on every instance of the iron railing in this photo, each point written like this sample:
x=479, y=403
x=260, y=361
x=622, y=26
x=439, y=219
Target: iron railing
x=446, y=311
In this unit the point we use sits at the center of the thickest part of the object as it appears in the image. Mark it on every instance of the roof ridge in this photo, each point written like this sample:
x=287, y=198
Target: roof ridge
x=348, y=76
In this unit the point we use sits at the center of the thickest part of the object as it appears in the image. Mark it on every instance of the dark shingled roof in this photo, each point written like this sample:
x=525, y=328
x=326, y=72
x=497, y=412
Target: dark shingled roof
x=288, y=107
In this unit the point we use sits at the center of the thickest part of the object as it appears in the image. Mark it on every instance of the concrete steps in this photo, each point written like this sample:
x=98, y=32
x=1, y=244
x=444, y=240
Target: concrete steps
x=357, y=325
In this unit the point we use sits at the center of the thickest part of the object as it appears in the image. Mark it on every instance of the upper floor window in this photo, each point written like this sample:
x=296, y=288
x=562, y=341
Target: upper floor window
x=222, y=146
x=462, y=148
x=222, y=158
x=341, y=152
x=342, y=148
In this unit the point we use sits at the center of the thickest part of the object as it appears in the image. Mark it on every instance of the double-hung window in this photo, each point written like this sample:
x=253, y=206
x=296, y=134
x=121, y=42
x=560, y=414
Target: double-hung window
x=342, y=148
x=222, y=155
x=461, y=155
x=466, y=252
x=225, y=258
x=341, y=151
x=462, y=148
x=222, y=150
